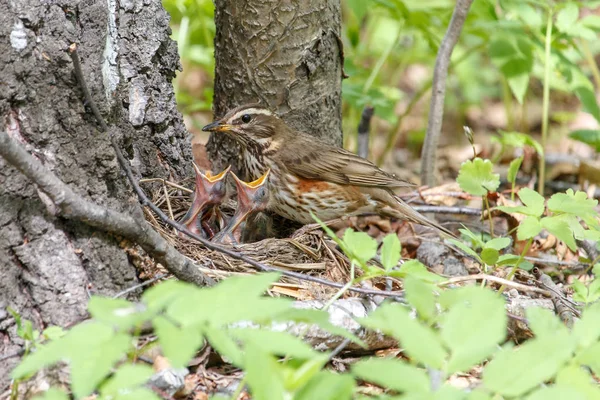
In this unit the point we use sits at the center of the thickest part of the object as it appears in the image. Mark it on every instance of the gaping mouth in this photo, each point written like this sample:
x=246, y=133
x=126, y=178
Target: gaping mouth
x=217, y=126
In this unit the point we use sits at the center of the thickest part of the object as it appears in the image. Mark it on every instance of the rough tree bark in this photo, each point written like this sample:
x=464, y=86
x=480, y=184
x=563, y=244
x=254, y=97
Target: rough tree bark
x=48, y=264
x=286, y=55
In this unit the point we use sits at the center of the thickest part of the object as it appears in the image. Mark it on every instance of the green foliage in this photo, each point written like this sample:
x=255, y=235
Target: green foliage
x=184, y=317
x=477, y=178
x=489, y=250
x=566, y=209
x=452, y=331
x=587, y=136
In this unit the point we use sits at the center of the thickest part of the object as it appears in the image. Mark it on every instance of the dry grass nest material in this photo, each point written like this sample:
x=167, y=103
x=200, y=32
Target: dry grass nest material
x=311, y=252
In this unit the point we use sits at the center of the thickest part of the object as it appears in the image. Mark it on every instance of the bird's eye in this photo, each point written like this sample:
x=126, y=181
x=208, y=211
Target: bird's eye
x=246, y=118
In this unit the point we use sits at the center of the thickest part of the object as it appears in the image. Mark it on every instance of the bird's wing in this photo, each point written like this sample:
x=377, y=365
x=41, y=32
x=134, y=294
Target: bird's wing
x=340, y=166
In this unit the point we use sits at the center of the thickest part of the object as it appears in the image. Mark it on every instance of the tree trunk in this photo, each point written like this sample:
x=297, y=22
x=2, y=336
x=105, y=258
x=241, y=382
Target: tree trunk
x=287, y=55
x=49, y=264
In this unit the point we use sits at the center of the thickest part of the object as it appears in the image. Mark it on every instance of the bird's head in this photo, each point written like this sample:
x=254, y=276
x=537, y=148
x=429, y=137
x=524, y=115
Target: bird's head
x=250, y=124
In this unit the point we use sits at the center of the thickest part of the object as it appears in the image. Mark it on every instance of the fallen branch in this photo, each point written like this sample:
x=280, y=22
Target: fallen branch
x=70, y=205
x=440, y=73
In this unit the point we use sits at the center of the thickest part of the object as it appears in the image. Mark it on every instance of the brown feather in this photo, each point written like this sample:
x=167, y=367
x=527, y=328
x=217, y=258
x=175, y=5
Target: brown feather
x=334, y=164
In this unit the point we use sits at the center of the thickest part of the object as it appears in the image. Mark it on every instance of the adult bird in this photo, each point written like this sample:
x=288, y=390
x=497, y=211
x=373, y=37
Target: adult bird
x=309, y=175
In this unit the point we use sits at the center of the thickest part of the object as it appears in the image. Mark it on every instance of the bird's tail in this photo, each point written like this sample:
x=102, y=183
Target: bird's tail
x=401, y=210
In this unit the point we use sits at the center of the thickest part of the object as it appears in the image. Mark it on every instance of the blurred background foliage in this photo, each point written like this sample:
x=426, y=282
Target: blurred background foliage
x=496, y=78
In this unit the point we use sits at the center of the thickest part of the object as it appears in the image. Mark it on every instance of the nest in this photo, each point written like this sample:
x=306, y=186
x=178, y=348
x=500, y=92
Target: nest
x=308, y=251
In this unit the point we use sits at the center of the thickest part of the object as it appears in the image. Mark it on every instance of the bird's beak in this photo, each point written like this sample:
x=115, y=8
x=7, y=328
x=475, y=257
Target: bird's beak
x=217, y=126
x=205, y=188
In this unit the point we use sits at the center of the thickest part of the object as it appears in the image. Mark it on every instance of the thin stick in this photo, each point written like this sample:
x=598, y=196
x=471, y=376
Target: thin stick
x=166, y=182
x=440, y=73
x=492, y=278
x=138, y=286
x=86, y=92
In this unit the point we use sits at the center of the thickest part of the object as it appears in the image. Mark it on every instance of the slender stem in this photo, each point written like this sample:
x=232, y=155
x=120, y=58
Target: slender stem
x=508, y=105
x=589, y=58
x=438, y=92
x=516, y=266
x=487, y=207
x=546, y=102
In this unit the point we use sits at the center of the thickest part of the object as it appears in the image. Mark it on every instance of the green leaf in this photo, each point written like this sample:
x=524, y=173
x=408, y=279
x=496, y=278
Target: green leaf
x=390, y=251
x=225, y=345
x=276, y=343
x=587, y=329
x=420, y=295
x=466, y=249
x=498, y=243
x=556, y=393
x=421, y=342
x=592, y=22
x=94, y=360
x=264, y=374
x=590, y=357
x=588, y=100
x=543, y=322
x=361, y=246
x=178, y=344
x=567, y=17
x=127, y=376
x=533, y=203
x=513, y=169
x=52, y=394
x=560, y=228
x=319, y=318
x=519, y=140
x=121, y=313
x=587, y=136
x=416, y=269
x=469, y=339
x=490, y=256
x=514, y=372
x=529, y=228
x=578, y=378
x=573, y=203
x=92, y=349
x=529, y=15
x=392, y=374
x=327, y=386
x=53, y=332
x=477, y=178
x=234, y=299
x=519, y=83
x=159, y=296
x=138, y=394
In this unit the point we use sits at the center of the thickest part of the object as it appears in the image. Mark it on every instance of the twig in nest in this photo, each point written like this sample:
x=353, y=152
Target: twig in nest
x=168, y=183
x=145, y=201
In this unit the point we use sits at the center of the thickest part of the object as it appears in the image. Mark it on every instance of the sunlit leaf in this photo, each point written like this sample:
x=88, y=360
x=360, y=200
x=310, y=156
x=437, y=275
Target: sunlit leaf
x=469, y=340
x=477, y=178
x=390, y=251
x=392, y=374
